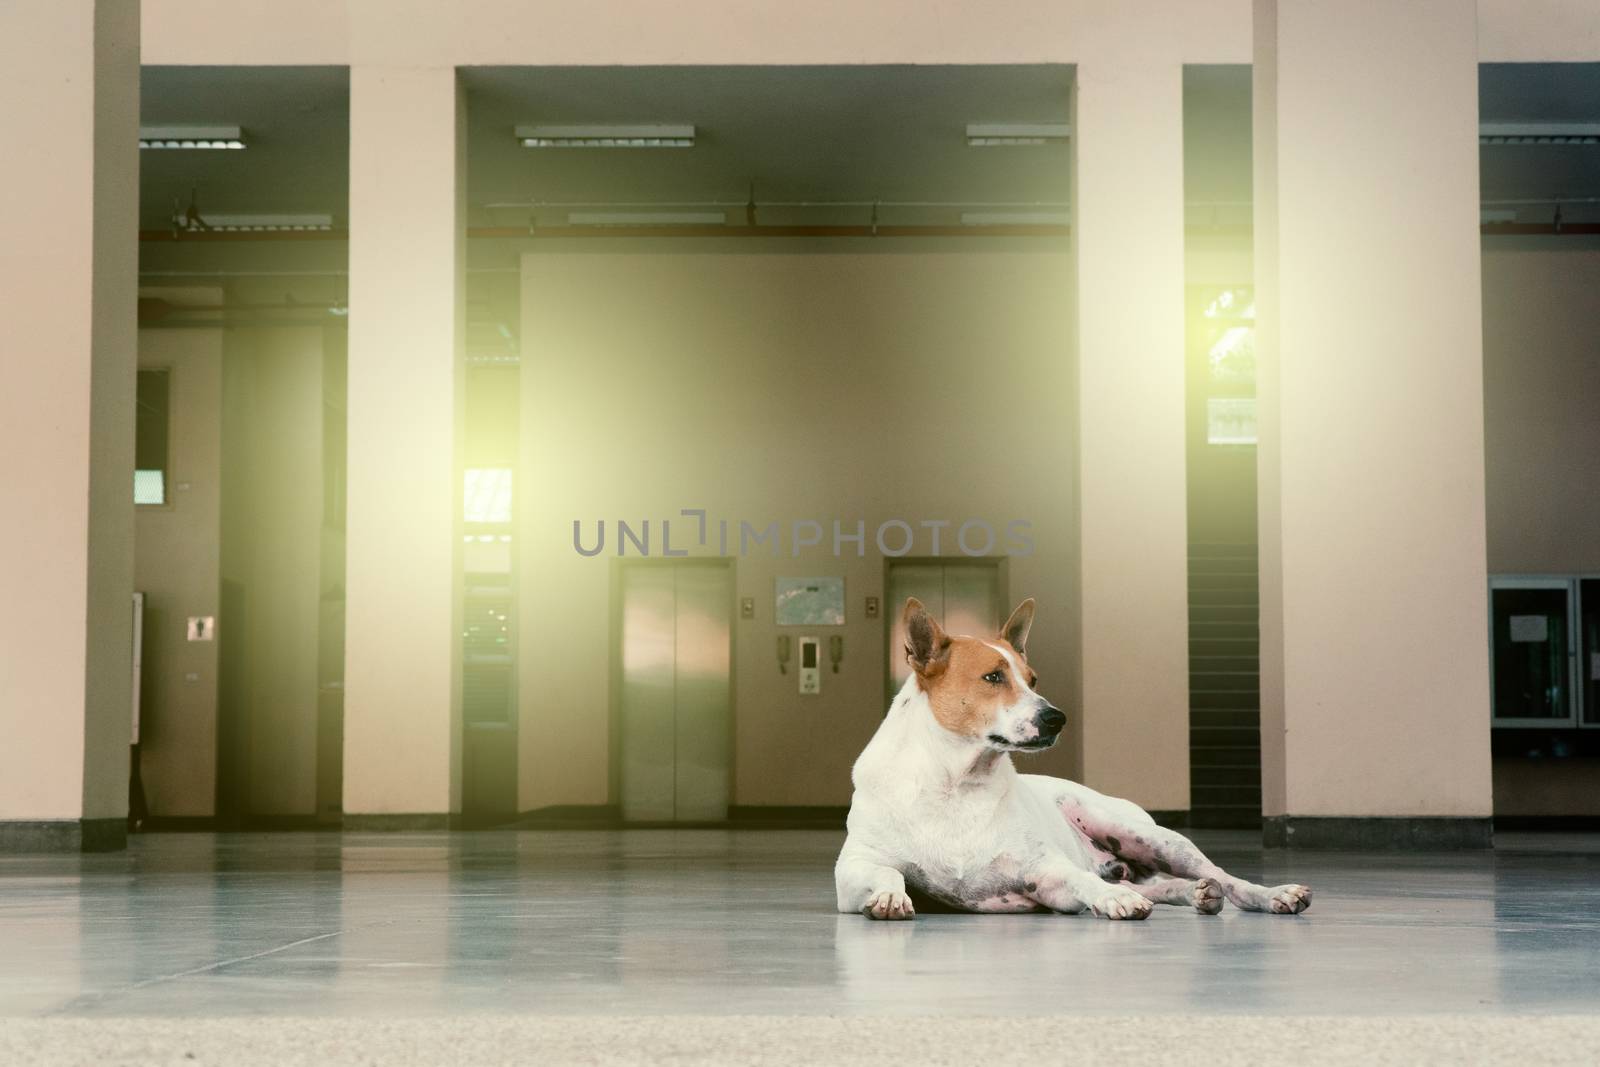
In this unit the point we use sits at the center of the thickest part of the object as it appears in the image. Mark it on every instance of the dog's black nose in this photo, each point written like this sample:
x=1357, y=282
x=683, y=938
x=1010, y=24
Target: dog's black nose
x=1051, y=720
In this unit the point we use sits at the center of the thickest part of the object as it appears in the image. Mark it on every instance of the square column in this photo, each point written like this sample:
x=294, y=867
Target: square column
x=407, y=327
x=69, y=73
x=1127, y=216
x=1374, y=625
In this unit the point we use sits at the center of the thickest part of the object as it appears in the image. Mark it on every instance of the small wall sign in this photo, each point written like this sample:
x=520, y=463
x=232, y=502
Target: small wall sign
x=816, y=601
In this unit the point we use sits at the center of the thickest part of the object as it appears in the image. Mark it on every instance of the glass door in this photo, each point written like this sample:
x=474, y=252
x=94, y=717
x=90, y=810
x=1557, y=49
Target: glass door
x=1533, y=653
x=965, y=595
x=1589, y=650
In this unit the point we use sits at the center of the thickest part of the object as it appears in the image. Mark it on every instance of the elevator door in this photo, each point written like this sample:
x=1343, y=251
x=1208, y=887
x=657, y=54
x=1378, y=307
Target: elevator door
x=676, y=720
x=965, y=595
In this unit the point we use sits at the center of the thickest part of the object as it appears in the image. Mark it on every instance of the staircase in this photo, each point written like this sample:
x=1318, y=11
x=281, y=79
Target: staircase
x=1224, y=687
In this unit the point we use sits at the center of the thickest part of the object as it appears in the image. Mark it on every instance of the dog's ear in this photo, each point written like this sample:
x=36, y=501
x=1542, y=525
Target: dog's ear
x=927, y=645
x=1016, y=628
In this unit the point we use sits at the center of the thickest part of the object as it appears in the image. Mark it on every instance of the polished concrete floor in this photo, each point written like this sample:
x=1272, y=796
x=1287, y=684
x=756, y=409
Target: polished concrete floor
x=712, y=922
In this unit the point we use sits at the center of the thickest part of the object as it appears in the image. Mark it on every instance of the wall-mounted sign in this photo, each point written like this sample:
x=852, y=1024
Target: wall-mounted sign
x=810, y=601
x=1533, y=629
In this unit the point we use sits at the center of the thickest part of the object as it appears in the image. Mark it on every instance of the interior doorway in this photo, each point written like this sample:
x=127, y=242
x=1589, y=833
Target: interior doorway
x=966, y=595
x=672, y=657
x=1224, y=593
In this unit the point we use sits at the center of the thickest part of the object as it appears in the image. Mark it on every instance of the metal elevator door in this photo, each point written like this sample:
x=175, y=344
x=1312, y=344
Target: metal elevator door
x=965, y=595
x=676, y=719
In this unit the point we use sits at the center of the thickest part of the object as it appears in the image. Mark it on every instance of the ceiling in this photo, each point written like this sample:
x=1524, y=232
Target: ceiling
x=893, y=134
x=1218, y=137
x=1542, y=92
x=296, y=122
x=795, y=133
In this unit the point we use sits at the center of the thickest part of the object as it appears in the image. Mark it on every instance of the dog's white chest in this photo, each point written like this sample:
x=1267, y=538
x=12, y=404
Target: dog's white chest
x=970, y=852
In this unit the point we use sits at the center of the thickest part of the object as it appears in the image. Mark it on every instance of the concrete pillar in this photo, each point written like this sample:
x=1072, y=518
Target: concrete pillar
x=69, y=74
x=407, y=325
x=1127, y=207
x=1375, y=695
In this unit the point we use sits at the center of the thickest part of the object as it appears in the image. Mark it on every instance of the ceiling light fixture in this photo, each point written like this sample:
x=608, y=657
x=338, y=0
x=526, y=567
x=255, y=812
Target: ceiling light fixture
x=606, y=136
x=991, y=134
x=191, y=137
x=647, y=218
x=1521, y=133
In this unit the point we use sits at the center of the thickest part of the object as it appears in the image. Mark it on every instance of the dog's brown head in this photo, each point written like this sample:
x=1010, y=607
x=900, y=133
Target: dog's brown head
x=983, y=690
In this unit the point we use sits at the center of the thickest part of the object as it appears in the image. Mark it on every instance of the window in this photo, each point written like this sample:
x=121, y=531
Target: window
x=1231, y=420
x=150, y=437
x=1227, y=332
x=487, y=495
x=1589, y=650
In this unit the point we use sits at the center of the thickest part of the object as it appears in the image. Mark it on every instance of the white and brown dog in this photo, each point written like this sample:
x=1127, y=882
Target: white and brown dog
x=940, y=811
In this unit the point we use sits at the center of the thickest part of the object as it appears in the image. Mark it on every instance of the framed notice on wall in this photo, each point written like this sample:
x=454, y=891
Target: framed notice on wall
x=817, y=601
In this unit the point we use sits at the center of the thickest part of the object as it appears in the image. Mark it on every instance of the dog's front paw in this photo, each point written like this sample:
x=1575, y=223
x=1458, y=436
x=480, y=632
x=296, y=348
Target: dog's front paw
x=1119, y=903
x=1289, y=899
x=888, y=905
x=1207, y=896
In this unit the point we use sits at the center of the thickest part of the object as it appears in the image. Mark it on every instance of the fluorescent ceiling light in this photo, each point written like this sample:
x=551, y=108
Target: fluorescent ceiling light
x=265, y=223
x=647, y=218
x=1539, y=133
x=191, y=137
x=989, y=134
x=606, y=136
x=1015, y=218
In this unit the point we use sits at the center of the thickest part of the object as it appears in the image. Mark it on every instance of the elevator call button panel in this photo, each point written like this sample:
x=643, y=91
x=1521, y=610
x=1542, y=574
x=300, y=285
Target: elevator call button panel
x=810, y=670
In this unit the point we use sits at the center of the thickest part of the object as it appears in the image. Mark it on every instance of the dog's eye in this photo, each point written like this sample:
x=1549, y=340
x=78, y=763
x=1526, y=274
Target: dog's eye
x=994, y=677
x=1033, y=682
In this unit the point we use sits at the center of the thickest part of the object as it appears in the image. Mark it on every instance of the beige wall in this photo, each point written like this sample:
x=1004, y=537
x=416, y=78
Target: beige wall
x=177, y=567
x=467, y=32
x=1541, y=373
x=1372, y=487
x=67, y=268
x=1265, y=260
x=284, y=595
x=1544, y=787
x=771, y=31
x=909, y=384
x=108, y=692
x=407, y=333
x=1538, y=31
x=1133, y=569
x=273, y=464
